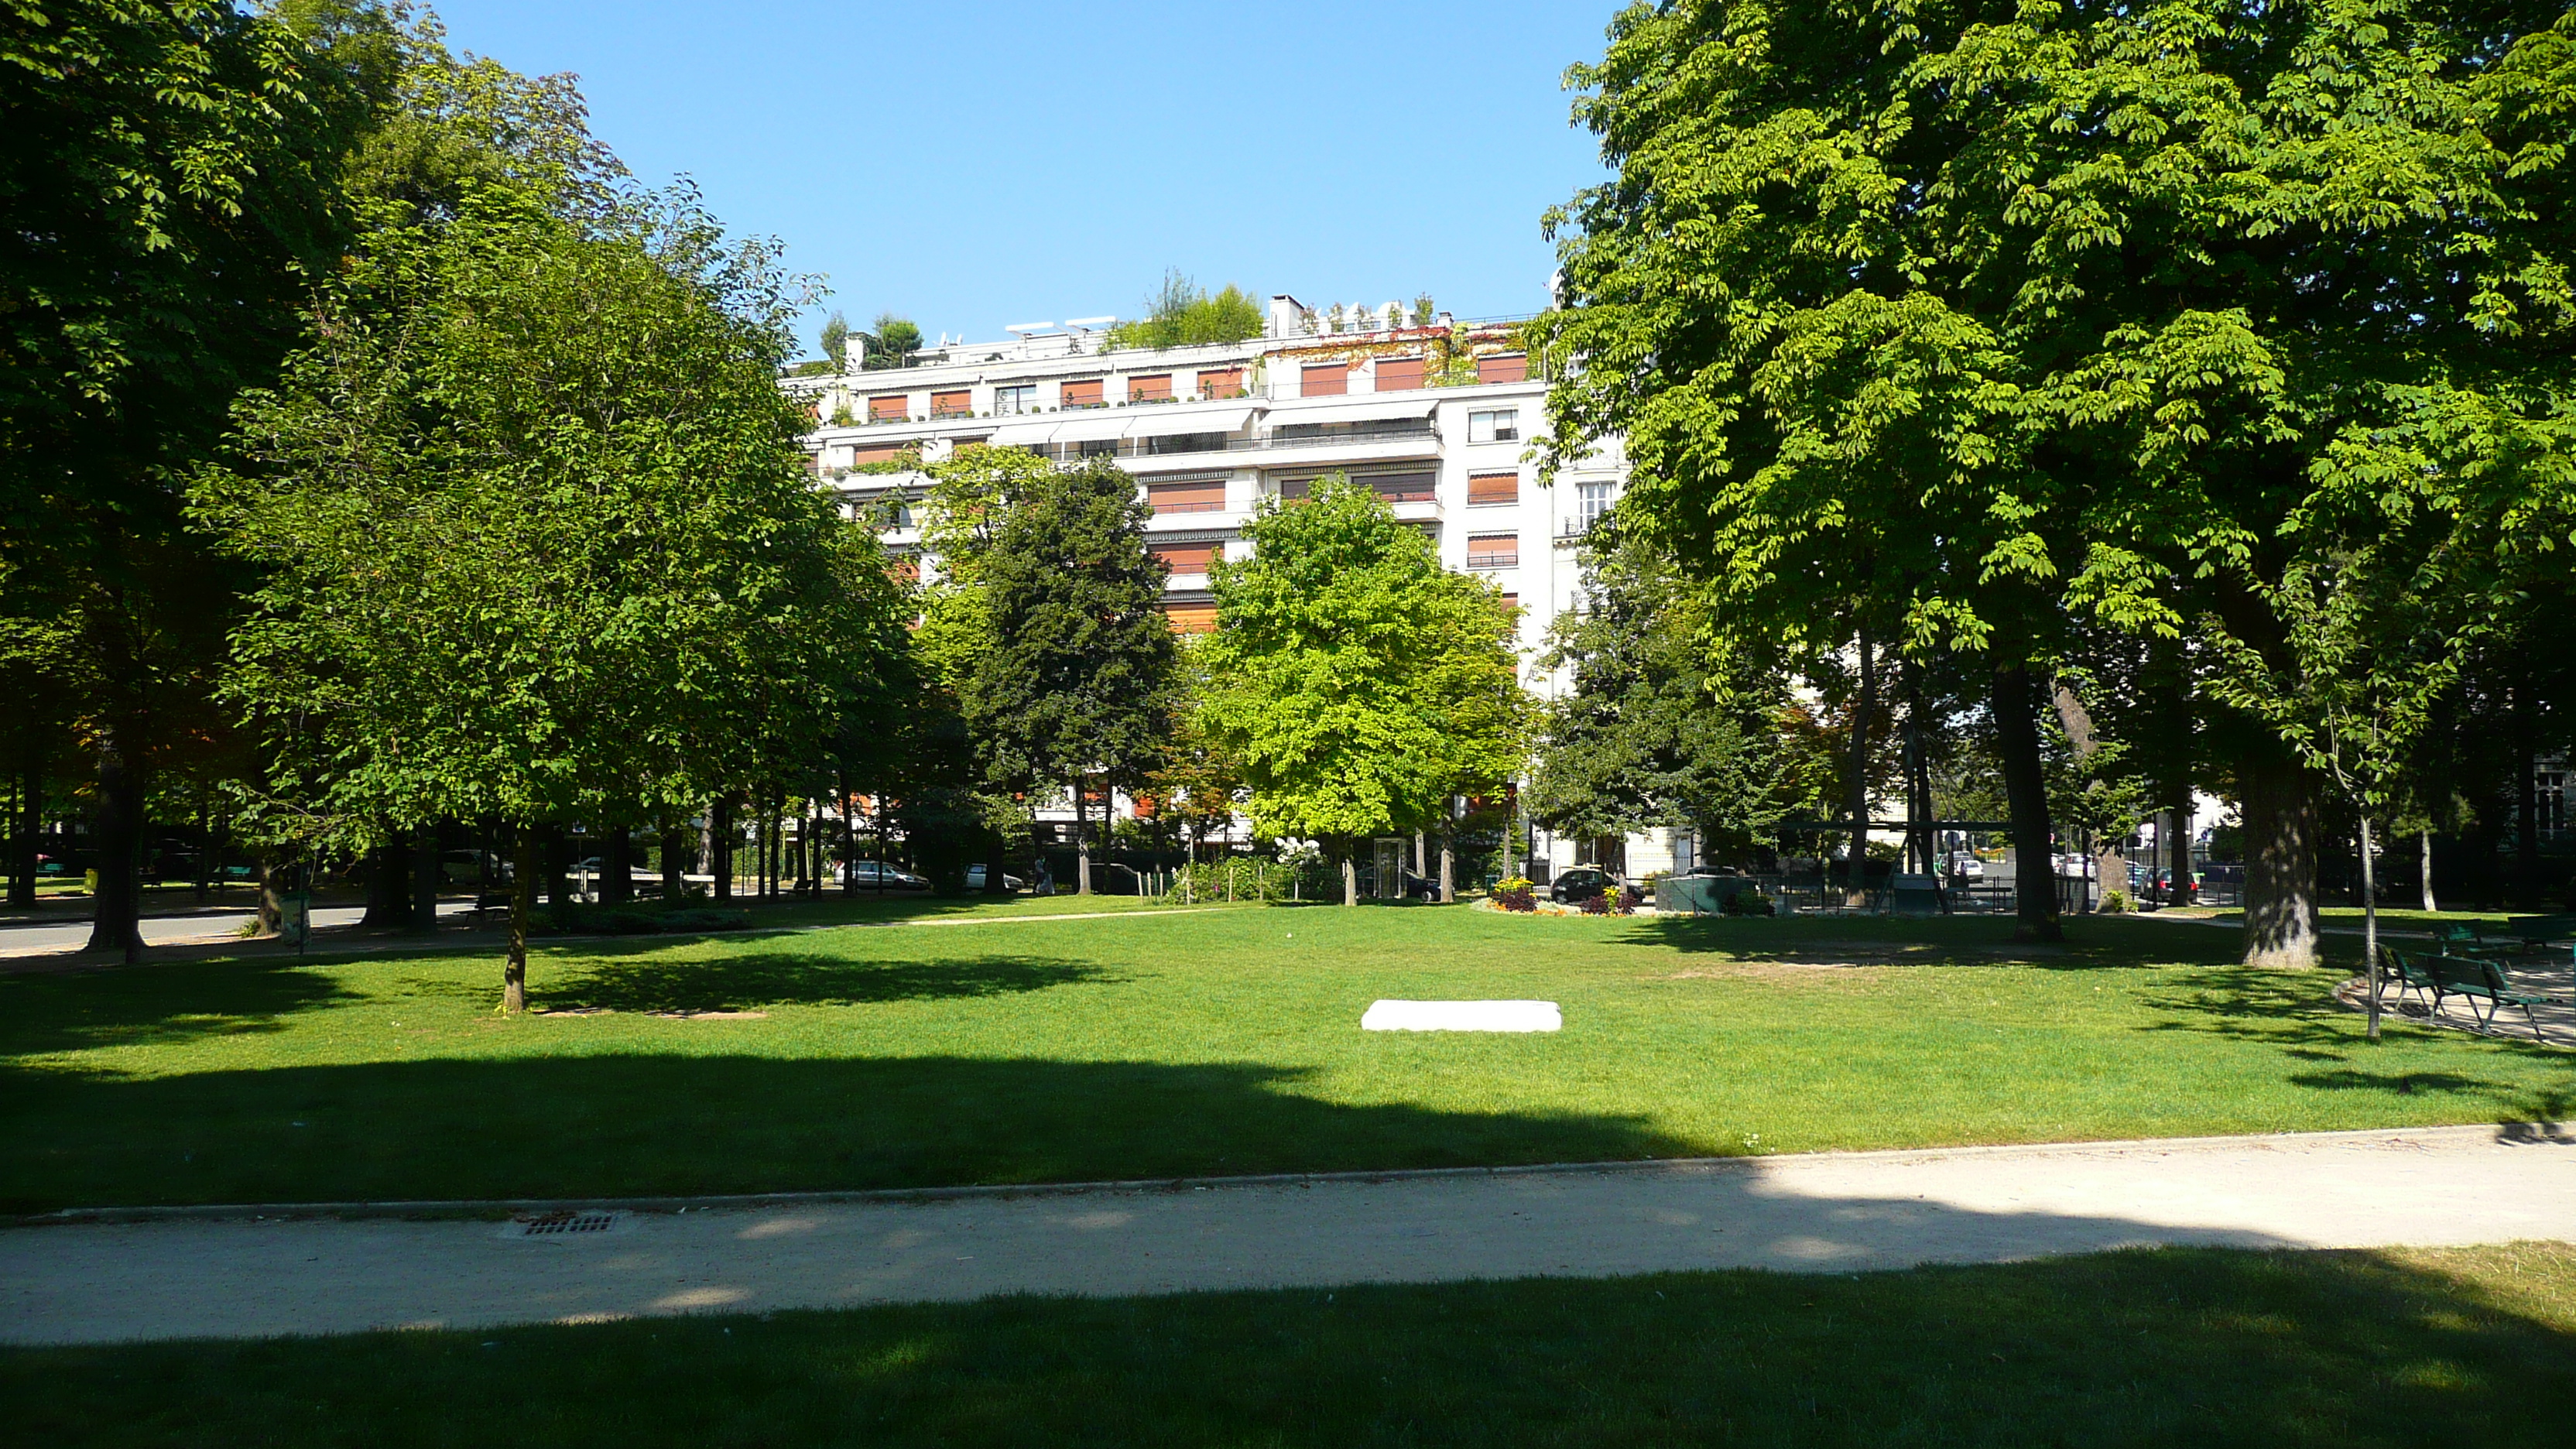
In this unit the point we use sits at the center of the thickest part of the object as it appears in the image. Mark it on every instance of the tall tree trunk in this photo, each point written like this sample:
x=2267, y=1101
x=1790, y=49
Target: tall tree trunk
x=617, y=866
x=2369, y=926
x=1350, y=874
x=1449, y=863
x=2280, y=861
x=1081, y=843
x=2077, y=722
x=2526, y=801
x=720, y=847
x=272, y=896
x=30, y=824
x=389, y=884
x=2177, y=851
x=2016, y=711
x=2424, y=859
x=1856, y=801
x=116, y=926
x=427, y=870
x=529, y=857
x=675, y=874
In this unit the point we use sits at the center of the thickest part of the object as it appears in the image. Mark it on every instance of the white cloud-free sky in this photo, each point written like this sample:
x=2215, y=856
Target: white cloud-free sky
x=976, y=165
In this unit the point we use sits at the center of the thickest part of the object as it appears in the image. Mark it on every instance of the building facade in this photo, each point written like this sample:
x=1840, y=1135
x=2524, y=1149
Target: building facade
x=1434, y=414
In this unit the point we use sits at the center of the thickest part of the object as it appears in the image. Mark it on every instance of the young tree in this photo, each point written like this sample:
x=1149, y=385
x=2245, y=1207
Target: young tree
x=537, y=538
x=1361, y=685
x=1075, y=679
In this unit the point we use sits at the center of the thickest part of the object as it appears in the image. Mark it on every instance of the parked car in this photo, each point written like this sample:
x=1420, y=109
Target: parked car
x=1965, y=865
x=1582, y=883
x=465, y=867
x=868, y=875
x=975, y=879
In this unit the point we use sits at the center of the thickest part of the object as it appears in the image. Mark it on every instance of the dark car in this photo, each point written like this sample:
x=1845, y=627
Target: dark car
x=1582, y=883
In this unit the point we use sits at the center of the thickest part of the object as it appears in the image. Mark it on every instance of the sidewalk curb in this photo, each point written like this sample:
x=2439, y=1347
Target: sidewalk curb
x=2516, y=1134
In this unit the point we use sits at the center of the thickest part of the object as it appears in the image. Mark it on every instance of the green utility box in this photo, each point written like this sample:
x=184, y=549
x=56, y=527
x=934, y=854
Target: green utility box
x=1699, y=895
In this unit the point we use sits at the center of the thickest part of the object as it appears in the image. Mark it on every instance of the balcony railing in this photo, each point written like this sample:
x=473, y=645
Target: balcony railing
x=1295, y=435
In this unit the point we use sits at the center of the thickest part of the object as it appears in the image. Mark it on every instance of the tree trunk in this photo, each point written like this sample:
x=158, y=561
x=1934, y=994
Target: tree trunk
x=1350, y=875
x=675, y=871
x=2369, y=926
x=116, y=925
x=2425, y=859
x=529, y=857
x=617, y=866
x=2177, y=853
x=1856, y=793
x=1081, y=844
x=22, y=841
x=272, y=901
x=1449, y=865
x=389, y=884
x=427, y=870
x=2280, y=862
x=2526, y=802
x=2026, y=795
x=720, y=847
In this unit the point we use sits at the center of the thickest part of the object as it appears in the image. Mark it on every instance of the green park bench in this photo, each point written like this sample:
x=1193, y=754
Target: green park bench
x=2407, y=974
x=2537, y=932
x=2481, y=980
x=1914, y=895
x=2448, y=934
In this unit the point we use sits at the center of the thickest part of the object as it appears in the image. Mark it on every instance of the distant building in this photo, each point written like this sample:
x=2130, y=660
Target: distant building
x=1436, y=417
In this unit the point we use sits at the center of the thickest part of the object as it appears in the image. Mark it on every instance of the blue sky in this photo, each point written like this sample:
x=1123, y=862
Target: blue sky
x=976, y=165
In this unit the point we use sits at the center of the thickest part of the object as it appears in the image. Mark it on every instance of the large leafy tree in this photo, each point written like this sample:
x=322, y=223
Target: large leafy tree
x=1990, y=314
x=1075, y=679
x=170, y=179
x=537, y=540
x=1651, y=733
x=1361, y=685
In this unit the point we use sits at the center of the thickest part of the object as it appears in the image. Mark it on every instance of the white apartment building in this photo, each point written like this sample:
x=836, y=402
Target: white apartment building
x=1211, y=431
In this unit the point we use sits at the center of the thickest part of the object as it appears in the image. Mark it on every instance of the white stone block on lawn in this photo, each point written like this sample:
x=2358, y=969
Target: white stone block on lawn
x=1462, y=1016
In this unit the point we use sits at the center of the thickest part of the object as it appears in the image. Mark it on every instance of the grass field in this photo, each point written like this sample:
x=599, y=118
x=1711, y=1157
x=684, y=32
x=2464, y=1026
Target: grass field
x=2466, y=1347
x=1169, y=1044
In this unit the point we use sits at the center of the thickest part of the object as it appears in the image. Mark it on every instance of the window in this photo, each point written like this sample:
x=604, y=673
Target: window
x=1328, y=379
x=1486, y=490
x=1191, y=618
x=1162, y=443
x=882, y=453
x=1591, y=500
x=1011, y=402
x=1189, y=558
x=1150, y=389
x=890, y=409
x=957, y=404
x=1493, y=550
x=1503, y=425
x=1084, y=394
x=1514, y=368
x=1221, y=382
x=1512, y=602
x=1203, y=495
x=1398, y=374
x=1096, y=448
x=1404, y=487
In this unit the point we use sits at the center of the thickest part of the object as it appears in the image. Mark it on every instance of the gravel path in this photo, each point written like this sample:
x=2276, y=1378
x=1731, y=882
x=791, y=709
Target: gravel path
x=204, y=1277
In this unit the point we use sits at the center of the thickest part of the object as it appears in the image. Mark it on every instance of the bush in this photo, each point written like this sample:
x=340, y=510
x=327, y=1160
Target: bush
x=1623, y=902
x=2117, y=903
x=1751, y=903
x=1516, y=894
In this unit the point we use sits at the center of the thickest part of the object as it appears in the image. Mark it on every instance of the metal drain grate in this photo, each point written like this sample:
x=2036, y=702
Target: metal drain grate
x=549, y=1225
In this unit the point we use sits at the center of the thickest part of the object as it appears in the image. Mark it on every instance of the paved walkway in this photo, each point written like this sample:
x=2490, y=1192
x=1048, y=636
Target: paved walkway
x=1825, y=1212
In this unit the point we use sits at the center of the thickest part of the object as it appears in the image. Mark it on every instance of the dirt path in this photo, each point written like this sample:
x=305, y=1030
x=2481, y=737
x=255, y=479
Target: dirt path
x=1820, y=1213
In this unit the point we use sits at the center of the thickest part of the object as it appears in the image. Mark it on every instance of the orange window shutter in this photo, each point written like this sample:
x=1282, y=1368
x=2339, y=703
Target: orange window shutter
x=1330, y=379
x=1493, y=550
x=1149, y=389
x=1082, y=394
x=1511, y=368
x=1221, y=382
x=1491, y=488
x=1398, y=374
x=951, y=404
x=1187, y=558
x=1205, y=496
x=881, y=453
x=1512, y=602
x=881, y=409
x=1191, y=618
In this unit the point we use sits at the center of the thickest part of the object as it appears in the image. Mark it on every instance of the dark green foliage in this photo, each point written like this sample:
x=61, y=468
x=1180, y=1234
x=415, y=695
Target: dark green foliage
x=1077, y=676
x=1653, y=733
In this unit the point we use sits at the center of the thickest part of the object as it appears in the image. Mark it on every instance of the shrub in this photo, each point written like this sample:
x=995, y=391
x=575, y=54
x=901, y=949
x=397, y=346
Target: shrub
x=1751, y=903
x=2117, y=903
x=1516, y=894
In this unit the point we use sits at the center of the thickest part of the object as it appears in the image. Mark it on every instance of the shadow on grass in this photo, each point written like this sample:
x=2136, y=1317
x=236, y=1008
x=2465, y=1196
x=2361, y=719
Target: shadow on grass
x=646, y=981
x=626, y=1123
x=157, y=1002
x=2165, y=1347
x=1859, y=940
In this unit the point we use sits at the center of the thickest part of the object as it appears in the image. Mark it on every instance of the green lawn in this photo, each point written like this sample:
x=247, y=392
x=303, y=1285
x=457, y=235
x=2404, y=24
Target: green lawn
x=2474, y=1347
x=1166, y=1044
